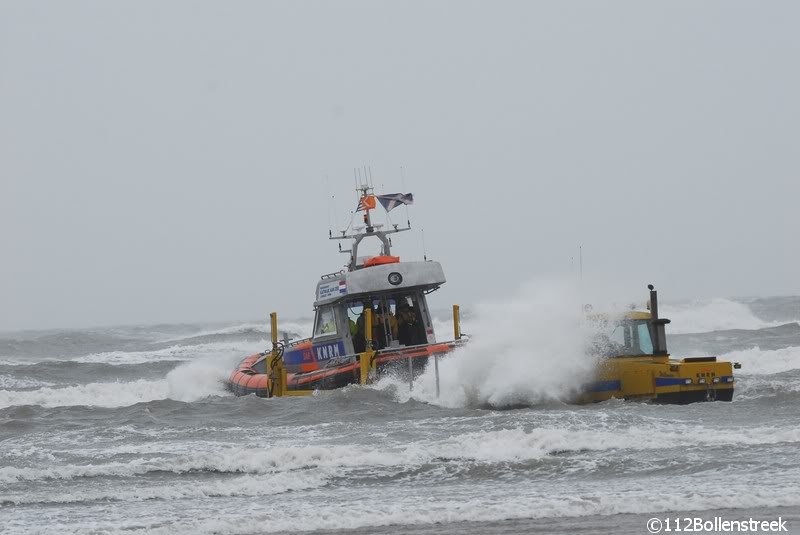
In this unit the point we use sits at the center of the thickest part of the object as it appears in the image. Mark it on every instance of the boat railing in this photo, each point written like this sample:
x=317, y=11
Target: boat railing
x=296, y=342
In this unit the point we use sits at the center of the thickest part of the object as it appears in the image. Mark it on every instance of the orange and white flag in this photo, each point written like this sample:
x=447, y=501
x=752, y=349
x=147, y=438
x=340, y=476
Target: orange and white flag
x=366, y=202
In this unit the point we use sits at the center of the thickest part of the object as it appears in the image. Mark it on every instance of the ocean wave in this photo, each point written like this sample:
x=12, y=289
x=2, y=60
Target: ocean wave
x=188, y=382
x=486, y=447
x=16, y=383
x=176, y=352
x=419, y=511
x=755, y=361
x=8, y=361
x=242, y=485
x=295, y=328
x=408, y=507
x=710, y=315
x=767, y=386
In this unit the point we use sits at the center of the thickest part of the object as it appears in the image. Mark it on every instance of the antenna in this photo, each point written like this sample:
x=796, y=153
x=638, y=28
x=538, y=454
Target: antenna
x=424, y=249
x=403, y=183
x=329, y=201
x=580, y=256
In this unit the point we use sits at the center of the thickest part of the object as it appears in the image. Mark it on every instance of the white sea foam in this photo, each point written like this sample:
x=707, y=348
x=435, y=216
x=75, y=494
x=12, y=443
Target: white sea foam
x=406, y=507
x=486, y=509
x=711, y=315
x=527, y=350
x=756, y=361
x=486, y=447
x=11, y=361
x=242, y=485
x=188, y=382
x=11, y=382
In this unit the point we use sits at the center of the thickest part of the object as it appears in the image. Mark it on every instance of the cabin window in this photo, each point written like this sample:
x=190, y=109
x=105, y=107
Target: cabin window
x=617, y=337
x=410, y=323
x=630, y=338
x=645, y=342
x=326, y=322
x=354, y=311
x=396, y=320
x=355, y=323
x=385, y=321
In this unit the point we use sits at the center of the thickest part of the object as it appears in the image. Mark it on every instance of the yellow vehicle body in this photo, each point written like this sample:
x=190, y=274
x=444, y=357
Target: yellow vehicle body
x=661, y=379
x=638, y=373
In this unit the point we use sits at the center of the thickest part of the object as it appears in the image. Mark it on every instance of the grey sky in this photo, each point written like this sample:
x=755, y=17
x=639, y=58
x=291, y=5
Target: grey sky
x=166, y=161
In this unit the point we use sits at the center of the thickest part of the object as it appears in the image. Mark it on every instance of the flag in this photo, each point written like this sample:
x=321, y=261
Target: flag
x=366, y=203
x=393, y=200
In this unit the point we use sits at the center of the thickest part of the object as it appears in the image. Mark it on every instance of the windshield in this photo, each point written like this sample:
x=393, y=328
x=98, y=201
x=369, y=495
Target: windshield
x=630, y=338
x=326, y=322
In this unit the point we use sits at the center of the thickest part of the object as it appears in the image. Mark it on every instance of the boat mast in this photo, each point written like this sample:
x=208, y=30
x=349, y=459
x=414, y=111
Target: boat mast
x=365, y=192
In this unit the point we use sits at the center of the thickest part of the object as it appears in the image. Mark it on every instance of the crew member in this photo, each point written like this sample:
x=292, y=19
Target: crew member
x=408, y=325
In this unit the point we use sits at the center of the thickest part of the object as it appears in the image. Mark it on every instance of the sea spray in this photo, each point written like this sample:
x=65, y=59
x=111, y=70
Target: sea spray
x=195, y=380
x=530, y=349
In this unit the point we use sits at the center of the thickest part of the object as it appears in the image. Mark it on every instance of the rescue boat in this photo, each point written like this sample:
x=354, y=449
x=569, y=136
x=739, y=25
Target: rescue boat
x=370, y=318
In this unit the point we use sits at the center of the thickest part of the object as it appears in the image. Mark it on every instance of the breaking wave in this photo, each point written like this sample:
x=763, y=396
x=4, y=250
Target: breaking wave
x=188, y=382
x=257, y=471
x=243, y=485
x=710, y=315
x=295, y=329
x=528, y=504
x=11, y=382
x=484, y=447
x=765, y=362
x=186, y=352
x=176, y=352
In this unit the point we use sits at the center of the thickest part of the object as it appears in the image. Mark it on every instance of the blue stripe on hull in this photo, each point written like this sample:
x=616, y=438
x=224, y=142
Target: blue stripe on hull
x=670, y=381
x=604, y=386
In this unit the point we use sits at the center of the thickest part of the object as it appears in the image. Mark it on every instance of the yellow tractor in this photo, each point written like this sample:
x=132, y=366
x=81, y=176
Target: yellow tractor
x=633, y=363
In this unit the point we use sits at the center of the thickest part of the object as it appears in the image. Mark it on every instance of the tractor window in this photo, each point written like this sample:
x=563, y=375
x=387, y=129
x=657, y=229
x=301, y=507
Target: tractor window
x=630, y=338
x=617, y=337
x=645, y=342
x=326, y=322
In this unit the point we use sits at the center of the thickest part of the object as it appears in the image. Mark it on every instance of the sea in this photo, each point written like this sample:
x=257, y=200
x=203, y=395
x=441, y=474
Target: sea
x=130, y=430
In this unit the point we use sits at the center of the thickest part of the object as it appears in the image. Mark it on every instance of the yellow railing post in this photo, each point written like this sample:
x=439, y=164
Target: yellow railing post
x=273, y=326
x=275, y=368
x=365, y=359
x=456, y=322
